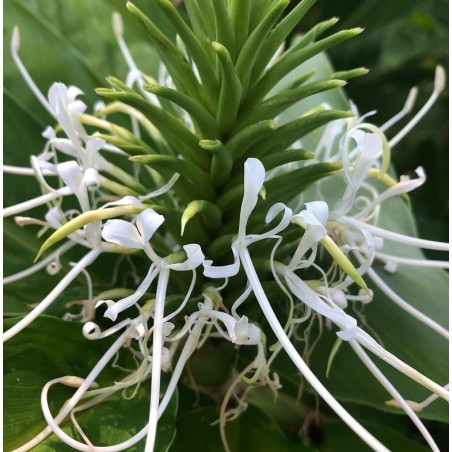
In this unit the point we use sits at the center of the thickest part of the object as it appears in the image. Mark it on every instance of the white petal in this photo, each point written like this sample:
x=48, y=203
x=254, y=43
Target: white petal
x=49, y=133
x=148, y=222
x=127, y=200
x=54, y=217
x=64, y=145
x=246, y=333
x=319, y=209
x=348, y=334
x=223, y=271
x=125, y=303
x=195, y=257
x=123, y=233
x=73, y=92
x=56, y=92
x=91, y=178
x=71, y=174
x=253, y=182
x=76, y=108
x=94, y=144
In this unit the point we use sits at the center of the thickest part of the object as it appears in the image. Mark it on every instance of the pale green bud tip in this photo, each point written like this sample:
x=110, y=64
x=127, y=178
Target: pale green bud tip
x=151, y=87
x=117, y=24
x=440, y=79
x=356, y=30
x=15, y=39
x=210, y=145
x=219, y=48
x=104, y=91
x=273, y=124
x=138, y=158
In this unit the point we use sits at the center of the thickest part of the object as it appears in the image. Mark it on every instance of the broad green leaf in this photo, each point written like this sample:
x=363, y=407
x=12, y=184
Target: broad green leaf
x=252, y=431
x=337, y=436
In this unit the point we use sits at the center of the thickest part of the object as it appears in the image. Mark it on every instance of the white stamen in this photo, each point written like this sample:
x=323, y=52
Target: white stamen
x=394, y=236
x=440, y=81
x=398, y=300
x=24, y=171
x=409, y=104
x=36, y=202
x=393, y=391
x=38, y=266
x=387, y=258
x=156, y=357
x=15, y=43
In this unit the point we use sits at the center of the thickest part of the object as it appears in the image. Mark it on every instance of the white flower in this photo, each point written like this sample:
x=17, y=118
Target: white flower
x=126, y=234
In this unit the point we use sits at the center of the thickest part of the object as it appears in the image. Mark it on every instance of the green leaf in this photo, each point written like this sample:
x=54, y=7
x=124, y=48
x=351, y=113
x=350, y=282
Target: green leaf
x=337, y=436
x=253, y=431
x=32, y=359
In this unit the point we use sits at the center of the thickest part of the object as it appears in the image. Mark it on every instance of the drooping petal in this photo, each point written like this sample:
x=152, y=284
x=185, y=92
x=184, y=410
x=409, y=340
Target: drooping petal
x=122, y=233
x=223, y=271
x=125, y=303
x=148, y=222
x=273, y=212
x=195, y=257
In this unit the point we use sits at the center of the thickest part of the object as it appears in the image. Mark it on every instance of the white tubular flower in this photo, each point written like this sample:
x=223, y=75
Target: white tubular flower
x=308, y=296
x=315, y=218
x=67, y=109
x=114, y=308
x=253, y=183
x=370, y=147
x=240, y=332
x=72, y=175
x=404, y=186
